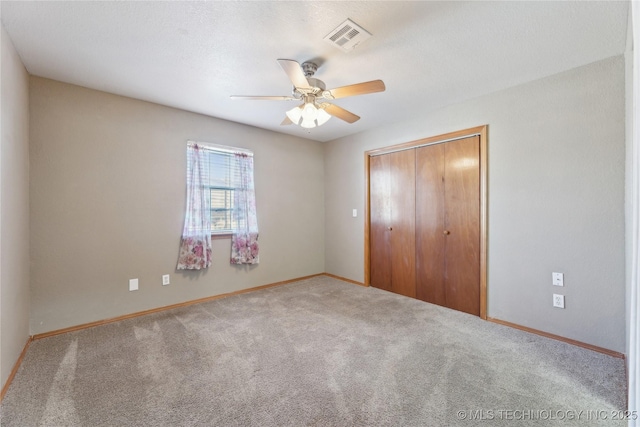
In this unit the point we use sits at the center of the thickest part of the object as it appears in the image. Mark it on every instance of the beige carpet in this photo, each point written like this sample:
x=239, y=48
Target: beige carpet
x=318, y=352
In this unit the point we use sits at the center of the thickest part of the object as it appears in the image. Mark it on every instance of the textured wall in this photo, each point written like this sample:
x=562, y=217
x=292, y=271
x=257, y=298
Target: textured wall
x=629, y=125
x=108, y=196
x=556, y=198
x=14, y=205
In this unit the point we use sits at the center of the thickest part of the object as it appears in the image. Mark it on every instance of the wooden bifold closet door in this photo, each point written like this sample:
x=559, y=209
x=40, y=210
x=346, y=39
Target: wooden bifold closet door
x=392, y=229
x=424, y=231
x=448, y=224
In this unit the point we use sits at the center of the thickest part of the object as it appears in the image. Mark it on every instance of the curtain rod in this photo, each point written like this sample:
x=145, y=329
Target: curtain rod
x=425, y=144
x=218, y=147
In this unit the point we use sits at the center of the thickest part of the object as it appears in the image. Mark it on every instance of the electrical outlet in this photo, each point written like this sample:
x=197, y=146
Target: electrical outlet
x=557, y=279
x=558, y=300
x=133, y=284
x=165, y=280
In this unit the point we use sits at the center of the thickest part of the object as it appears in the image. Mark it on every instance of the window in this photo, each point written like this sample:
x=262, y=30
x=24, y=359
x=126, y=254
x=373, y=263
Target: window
x=221, y=200
x=222, y=179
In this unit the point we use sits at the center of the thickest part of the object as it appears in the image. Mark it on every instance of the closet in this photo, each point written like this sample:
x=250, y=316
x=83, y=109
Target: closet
x=426, y=234
x=393, y=186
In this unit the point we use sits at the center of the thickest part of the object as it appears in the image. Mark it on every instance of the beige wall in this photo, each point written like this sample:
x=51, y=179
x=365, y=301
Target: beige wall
x=107, y=201
x=629, y=124
x=556, y=198
x=14, y=208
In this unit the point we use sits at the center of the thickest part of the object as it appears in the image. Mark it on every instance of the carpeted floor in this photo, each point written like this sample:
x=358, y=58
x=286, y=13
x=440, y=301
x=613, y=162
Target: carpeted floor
x=318, y=352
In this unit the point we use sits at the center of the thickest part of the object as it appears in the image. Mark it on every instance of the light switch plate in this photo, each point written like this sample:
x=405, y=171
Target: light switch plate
x=166, y=279
x=557, y=279
x=133, y=284
x=355, y=213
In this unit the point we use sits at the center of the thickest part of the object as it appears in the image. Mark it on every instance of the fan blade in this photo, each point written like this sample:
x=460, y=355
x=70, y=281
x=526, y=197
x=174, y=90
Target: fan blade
x=340, y=113
x=286, y=121
x=357, y=89
x=264, y=98
x=293, y=70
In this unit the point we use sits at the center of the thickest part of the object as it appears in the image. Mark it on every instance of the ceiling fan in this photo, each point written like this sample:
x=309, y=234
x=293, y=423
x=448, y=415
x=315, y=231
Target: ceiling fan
x=314, y=111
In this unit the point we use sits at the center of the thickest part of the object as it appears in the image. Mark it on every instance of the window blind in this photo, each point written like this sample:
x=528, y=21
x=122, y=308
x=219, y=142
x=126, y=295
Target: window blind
x=221, y=178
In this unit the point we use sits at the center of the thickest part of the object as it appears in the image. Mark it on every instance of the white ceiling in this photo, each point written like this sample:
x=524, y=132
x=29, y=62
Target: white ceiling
x=194, y=55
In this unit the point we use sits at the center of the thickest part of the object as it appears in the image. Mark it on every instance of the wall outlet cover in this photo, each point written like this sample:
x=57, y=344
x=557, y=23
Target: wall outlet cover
x=166, y=279
x=558, y=300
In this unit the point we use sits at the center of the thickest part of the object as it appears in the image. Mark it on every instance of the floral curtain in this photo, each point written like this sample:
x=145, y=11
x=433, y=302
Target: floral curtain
x=244, y=242
x=195, y=245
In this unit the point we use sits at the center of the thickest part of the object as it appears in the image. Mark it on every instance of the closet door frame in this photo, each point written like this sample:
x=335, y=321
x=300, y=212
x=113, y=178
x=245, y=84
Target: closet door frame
x=480, y=131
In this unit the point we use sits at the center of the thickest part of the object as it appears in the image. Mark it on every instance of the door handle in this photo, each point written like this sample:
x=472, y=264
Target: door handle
x=390, y=228
x=446, y=232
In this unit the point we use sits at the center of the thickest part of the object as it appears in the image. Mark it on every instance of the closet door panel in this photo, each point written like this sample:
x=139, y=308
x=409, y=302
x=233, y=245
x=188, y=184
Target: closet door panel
x=380, y=211
x=462, y=221
x=403, y=238
x=430, y=239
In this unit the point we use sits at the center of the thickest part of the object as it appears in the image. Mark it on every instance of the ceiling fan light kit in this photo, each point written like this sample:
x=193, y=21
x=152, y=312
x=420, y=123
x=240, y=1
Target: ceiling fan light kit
x=308, y=115
x=311, y=114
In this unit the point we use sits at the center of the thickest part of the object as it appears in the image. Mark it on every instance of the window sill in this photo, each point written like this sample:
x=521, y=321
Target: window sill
x=221, y=236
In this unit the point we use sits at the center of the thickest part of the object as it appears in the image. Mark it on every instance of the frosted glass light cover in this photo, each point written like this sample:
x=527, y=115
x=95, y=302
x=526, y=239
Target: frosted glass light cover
x=295, y=114
x=308, y=115
x=323, y=116
x=309, y=111
x=308, y=124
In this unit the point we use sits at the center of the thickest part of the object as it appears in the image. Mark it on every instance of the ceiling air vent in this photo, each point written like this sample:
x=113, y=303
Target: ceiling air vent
x=347, y=36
